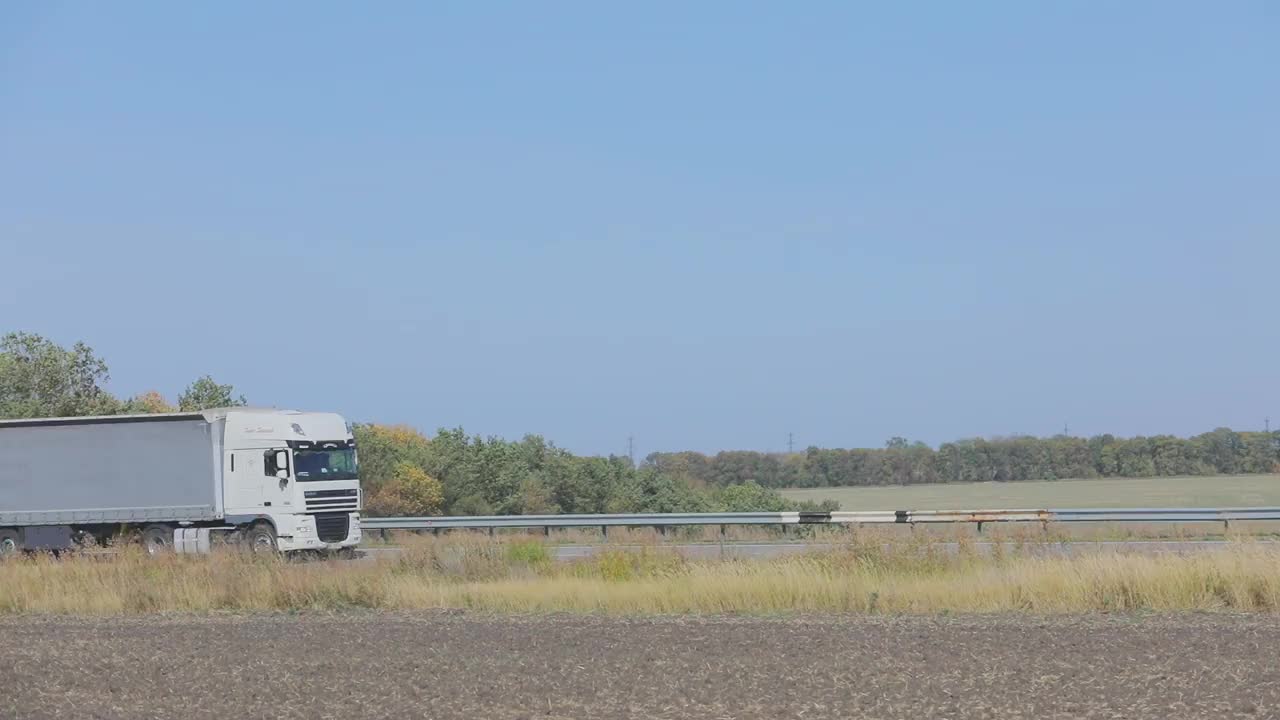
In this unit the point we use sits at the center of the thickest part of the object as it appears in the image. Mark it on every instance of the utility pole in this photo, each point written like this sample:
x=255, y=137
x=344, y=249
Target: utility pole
x=791, y=443
x=631, y=449
x=1268, y=423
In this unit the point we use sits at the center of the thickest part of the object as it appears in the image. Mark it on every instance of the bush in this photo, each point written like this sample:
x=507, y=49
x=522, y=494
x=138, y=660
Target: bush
x=529, y=552
x=410, y=491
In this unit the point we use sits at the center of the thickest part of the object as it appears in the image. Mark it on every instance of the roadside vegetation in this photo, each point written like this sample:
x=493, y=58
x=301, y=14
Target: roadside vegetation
x=1222, y=451
x=475, y=573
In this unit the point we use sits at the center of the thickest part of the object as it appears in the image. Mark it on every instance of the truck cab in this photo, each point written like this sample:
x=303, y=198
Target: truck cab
x=297, y=472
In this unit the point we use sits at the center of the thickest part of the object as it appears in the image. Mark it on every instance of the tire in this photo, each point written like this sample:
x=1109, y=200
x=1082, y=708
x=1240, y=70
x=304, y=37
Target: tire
x=10, y=543
x=261, y=539
x=157, y=539
x=85, y=541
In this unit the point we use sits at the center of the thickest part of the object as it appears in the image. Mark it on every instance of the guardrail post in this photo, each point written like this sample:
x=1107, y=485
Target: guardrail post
x=1226, y=526
x=979, y=527
x=722, y=531
x=604, y=531
x=546, y=531
x=662, y=530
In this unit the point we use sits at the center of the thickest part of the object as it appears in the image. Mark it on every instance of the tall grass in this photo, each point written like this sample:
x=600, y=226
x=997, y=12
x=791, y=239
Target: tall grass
x=478, y=574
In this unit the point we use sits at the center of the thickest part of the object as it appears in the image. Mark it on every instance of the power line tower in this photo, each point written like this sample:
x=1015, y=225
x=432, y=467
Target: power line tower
x=1268, y=423
x=631, y=449
x=791, y=443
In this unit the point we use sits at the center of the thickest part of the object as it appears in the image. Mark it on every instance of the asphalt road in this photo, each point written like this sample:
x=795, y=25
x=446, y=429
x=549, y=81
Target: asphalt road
x=448, y=665
x=763, y=551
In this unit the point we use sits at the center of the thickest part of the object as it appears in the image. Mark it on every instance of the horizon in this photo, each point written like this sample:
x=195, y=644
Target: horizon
x=907, y=441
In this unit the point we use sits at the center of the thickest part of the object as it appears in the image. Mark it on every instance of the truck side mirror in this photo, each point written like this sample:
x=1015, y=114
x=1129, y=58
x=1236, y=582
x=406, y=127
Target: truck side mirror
x=282, y=462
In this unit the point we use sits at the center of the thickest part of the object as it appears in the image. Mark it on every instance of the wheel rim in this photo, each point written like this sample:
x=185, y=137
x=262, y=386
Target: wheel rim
x=156, y=544
x=8, y=546
x=262, y=541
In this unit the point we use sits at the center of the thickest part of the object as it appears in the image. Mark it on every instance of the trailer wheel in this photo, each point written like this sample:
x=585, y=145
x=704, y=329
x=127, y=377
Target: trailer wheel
x=261, y=539
x=10, y=543
x=157, y=539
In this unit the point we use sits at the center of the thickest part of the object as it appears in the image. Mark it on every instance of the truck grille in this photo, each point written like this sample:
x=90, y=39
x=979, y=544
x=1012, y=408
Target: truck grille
x=329, y=500
x=332, y=527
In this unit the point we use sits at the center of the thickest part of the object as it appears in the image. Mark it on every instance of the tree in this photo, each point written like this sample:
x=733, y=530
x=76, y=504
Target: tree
x=385, y=449
x=647, y=490
x=150, y=402
x=752, y=497
x=39, y=378
x=204, y=394
x=535, y=498
x=1222, y=449
x=411, y=491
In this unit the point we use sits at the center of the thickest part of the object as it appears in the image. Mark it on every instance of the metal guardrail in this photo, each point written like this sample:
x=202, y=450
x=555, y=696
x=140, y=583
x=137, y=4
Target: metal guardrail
x=571, y=521
x=838, y=517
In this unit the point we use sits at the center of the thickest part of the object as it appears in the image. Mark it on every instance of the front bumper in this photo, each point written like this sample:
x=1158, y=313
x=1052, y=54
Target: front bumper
x=303, y=535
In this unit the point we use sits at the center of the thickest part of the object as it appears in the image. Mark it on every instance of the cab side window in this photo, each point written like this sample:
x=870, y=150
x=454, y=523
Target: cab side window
x=269, y=463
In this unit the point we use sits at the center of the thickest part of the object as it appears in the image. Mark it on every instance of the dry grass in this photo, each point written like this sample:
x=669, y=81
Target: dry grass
x=476, y=574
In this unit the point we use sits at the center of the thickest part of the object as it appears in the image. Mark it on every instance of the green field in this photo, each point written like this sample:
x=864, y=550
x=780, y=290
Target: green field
x=1208, y=492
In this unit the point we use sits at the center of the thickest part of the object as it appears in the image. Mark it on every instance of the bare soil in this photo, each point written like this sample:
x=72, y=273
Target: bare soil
x=444, y=665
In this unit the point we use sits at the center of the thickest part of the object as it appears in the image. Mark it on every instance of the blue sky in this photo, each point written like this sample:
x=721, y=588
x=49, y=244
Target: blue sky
x=702, y=224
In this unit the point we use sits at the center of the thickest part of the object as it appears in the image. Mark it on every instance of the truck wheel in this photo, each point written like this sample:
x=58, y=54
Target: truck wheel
x=10, y=543
x=261, y=539
x=157, y=539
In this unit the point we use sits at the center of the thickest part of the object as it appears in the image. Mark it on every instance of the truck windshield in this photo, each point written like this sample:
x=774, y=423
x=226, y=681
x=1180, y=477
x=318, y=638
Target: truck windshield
x=325, y=464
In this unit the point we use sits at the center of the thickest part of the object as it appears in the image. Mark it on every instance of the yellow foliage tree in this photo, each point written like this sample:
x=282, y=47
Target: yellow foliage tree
x=411, y=491
x=148, y=402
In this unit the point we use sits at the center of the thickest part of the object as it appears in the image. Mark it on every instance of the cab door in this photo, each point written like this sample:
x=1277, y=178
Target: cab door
x=242, y=488
x=277, y=479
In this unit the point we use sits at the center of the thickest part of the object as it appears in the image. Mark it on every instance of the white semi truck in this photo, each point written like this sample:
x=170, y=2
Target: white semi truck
x=266, y=480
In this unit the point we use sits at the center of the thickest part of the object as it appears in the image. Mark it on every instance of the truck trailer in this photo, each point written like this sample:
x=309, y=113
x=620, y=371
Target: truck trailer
x=264, y=480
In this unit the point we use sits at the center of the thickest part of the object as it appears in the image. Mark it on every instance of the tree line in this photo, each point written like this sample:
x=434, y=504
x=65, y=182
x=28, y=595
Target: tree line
x=405, y=472
x=1220, y=452
x=402, y=471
